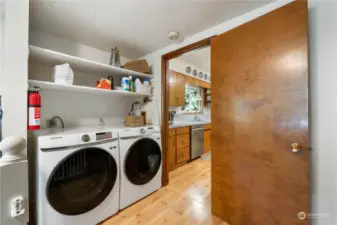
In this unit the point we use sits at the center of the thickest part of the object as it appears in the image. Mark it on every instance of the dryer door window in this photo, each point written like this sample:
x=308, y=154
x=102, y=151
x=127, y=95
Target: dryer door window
x=81, y=181
x=142, y=161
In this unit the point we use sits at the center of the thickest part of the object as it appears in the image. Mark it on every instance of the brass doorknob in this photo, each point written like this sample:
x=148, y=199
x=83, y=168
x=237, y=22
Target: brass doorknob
x=295, y=147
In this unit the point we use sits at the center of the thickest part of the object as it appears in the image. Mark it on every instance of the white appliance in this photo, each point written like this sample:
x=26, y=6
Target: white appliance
x=13, y=181
x=77, y=176
x=141, y=163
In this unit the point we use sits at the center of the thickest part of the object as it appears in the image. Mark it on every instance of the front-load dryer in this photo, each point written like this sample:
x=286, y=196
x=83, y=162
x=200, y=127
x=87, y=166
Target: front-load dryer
x=77, y=176
x=141, y=163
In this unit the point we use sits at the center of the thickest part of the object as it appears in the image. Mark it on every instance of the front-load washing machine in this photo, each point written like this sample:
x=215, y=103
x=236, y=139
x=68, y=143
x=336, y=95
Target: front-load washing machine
x=77, y=176
x=141, y=163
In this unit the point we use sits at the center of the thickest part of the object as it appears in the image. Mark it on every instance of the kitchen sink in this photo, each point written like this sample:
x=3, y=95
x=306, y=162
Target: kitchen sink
x=188, y=123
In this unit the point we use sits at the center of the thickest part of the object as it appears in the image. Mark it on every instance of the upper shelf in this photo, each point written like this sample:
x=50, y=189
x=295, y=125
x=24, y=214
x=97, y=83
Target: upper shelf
x=85, y=65
x=82, y=89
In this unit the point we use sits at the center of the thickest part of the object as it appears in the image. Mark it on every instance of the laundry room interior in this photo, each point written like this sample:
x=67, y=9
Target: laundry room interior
x=97, y=147
x=158, y=112
x=84, y=184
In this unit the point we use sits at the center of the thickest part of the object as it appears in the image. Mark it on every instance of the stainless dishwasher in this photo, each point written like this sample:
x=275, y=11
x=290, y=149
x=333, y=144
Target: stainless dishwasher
x=197, y=139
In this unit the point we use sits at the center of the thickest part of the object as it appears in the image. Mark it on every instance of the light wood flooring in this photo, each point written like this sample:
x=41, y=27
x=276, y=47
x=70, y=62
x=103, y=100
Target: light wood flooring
x=185, y=201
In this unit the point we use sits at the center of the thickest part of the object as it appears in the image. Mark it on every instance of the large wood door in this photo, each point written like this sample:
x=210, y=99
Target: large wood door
x=260, y=107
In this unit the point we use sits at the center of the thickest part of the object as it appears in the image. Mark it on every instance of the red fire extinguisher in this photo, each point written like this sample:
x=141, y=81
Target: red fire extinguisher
x=34, y=109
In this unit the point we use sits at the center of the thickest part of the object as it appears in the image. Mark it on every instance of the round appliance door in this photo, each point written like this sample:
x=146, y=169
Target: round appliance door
x=81, y=181
x=142, y=161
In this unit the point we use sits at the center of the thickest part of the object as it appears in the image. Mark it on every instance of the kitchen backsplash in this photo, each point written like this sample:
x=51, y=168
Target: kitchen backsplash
x=205, y=115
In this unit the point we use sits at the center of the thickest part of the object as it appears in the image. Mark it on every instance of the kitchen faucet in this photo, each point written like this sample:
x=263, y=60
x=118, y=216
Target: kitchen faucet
x=196, y=118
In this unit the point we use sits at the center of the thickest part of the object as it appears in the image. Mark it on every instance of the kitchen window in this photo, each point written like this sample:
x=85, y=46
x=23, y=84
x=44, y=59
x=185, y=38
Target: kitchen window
x=192, y=99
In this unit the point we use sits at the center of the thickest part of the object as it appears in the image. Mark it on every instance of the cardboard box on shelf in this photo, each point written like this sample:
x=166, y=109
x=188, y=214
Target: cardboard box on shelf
x=138, y=65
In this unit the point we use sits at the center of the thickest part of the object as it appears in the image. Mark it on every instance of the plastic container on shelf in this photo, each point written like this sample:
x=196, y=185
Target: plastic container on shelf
x=141, y=88
x=146, y=81
x=125, y=84
x=63, y=74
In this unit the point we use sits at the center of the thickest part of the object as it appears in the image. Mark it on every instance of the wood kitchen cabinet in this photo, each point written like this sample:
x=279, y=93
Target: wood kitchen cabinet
x=171, y=158
x=191, y=81
x=176, y=89
x=207, y=126
x=172, y=87
x=207, y=141
x=182, y=130
x=205, y=84
x=183, y=154
x=207, y=138
x=179, y=147
x=183, y=140
x=197, y=82
x=180, y=89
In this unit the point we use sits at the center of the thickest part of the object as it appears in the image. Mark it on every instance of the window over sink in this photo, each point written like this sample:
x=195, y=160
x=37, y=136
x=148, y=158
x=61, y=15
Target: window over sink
x=193, y=100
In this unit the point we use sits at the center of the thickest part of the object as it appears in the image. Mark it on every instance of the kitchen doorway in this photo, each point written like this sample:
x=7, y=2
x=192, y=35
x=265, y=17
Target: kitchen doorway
x=186, y=93
x=189, y=107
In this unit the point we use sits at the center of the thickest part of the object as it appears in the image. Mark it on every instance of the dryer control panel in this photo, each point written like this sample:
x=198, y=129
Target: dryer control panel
x=103, y=136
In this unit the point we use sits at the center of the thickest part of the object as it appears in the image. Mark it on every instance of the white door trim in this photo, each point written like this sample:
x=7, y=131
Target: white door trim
x=14, y=77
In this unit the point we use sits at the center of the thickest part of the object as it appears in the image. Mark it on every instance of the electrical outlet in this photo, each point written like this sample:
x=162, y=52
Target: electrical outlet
x=17, y=206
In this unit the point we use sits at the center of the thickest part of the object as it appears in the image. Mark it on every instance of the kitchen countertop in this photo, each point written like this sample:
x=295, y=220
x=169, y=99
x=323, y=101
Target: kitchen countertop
x=188, y=123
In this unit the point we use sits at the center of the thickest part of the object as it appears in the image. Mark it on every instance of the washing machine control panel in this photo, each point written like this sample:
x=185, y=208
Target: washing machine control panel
x=142, y=131
x=85, y=138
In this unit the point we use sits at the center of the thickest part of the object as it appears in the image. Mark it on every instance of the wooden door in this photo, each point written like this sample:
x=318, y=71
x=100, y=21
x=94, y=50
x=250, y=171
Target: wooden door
x=260, y=107
x=172, y=88
x=171, y=158
x=207, y=141
x=180, y=90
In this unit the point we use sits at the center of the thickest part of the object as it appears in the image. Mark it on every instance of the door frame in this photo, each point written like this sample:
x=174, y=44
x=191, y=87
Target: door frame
x=165, y=97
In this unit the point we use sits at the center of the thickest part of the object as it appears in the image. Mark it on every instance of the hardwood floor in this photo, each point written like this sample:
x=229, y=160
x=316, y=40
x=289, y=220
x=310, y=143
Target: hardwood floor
x=185, y=201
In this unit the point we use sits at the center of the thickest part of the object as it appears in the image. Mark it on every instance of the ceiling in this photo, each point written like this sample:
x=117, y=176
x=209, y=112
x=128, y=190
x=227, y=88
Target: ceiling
x=137, y=27
x=200, y=58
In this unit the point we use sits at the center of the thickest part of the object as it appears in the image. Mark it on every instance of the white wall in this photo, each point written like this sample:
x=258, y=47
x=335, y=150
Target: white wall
x=323, y=81
x=154, y=59
x=44, y=40
x=2, y=17
x=180, y=66
x=14, y=76
x=77, y=109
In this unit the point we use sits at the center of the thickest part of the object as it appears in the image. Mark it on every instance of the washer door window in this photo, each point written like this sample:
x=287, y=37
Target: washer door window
x=142, y=161
x=82, y=181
